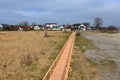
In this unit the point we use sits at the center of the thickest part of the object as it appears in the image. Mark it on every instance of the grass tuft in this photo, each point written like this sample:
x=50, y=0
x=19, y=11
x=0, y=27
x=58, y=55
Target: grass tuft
x=83, y=43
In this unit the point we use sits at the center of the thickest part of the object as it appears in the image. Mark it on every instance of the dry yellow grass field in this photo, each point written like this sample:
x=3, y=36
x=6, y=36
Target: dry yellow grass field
x=28, y=55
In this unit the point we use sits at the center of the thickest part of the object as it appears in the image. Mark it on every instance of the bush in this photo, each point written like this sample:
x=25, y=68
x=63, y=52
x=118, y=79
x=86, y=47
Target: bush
x=103, y=29
x=26, y=59
x=112, y=29
x=78, y=33
x=109, y=29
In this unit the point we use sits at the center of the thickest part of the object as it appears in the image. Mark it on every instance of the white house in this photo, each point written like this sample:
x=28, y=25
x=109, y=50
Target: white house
x=36, y=27
x=51, y=25
x=20, y=29
x=82, y=27
x=61, y=27
x=1, y=26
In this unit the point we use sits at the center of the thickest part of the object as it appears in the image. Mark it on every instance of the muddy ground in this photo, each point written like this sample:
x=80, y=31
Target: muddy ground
x=106, y=57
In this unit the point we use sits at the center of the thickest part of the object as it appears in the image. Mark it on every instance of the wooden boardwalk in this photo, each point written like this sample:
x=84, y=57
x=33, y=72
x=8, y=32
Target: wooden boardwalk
x=60, y=67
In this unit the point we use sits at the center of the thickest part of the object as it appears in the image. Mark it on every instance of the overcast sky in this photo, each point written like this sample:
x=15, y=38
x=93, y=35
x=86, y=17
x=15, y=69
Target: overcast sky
x=59, y=11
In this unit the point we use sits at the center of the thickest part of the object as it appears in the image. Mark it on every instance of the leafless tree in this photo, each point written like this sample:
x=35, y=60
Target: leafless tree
x=98, y=22
x=24, y=23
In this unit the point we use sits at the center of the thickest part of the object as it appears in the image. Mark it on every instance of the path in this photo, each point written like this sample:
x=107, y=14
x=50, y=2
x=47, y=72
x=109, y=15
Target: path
x=60, y=67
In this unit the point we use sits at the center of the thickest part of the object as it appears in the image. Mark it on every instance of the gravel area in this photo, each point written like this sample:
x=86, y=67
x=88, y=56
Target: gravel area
x=107, y=55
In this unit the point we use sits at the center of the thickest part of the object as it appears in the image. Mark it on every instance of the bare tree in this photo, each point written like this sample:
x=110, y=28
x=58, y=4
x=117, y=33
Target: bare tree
x=87, y=24
x=98, y=22
x=24, y=23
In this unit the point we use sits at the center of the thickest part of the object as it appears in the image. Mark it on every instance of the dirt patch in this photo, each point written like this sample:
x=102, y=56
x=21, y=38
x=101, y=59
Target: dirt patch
x=107, y=57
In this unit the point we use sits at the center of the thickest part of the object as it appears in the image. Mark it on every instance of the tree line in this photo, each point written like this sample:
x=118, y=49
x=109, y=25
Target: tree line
x=98, y=22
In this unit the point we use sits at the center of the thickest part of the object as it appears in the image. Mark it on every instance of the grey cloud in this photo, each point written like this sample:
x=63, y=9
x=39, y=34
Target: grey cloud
x=61, y=11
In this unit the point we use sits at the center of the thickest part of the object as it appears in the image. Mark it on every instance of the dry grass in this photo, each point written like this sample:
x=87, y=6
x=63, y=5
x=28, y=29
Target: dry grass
x=84, y=43
x=28, y=55
x=82, y=69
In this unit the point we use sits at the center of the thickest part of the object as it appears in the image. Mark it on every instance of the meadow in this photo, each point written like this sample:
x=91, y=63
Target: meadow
x=96, y=56
x=27, y=55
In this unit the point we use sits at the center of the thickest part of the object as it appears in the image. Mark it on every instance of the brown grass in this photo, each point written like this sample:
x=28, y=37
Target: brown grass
x=82, y=69
x=28, y=55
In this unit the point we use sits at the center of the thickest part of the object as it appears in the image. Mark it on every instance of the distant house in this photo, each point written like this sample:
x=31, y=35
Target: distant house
x=82, y=27
x=20, y=28
x=5, y=27
x=57, y=28
x=66, y=28
x=61, y=27
x=24, y=28
x=77, y=24
x=93, y=28
x=50, y=25
x=1, y=27
x=36, y=27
